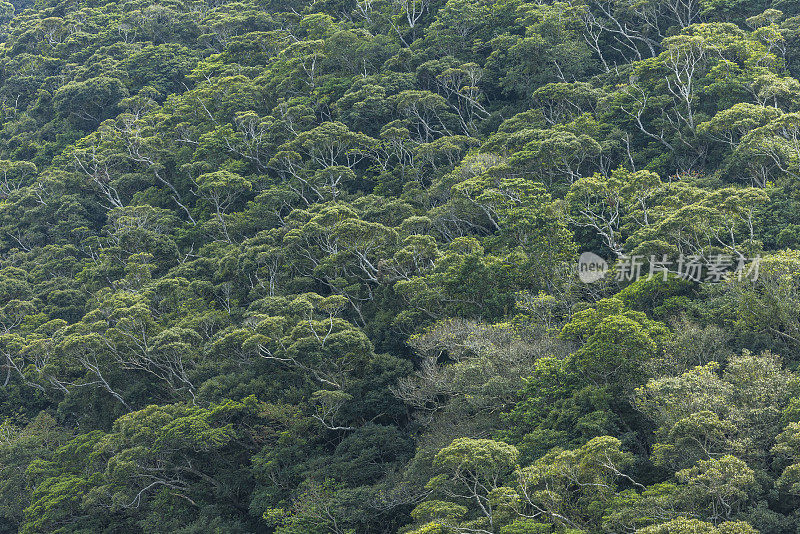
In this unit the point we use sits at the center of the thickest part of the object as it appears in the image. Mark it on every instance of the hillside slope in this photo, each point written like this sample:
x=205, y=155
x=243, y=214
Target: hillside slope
x=292, y=267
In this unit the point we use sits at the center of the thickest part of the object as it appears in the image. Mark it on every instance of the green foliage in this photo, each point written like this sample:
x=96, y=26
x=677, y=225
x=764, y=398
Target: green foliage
x=307, y=267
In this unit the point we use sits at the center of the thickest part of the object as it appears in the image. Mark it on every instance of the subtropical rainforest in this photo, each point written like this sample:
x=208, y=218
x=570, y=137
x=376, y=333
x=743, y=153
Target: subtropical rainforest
x=312, y=267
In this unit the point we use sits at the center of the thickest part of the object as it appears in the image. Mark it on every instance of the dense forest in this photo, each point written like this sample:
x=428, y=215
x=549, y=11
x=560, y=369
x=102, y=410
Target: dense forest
x=301, y=267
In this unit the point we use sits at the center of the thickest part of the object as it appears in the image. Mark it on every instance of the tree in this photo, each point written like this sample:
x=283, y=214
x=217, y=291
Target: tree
x=90, y=102
x=472, y=472
x=566, y=487
x=684, y=525
x=222, y=189
x=615, y=343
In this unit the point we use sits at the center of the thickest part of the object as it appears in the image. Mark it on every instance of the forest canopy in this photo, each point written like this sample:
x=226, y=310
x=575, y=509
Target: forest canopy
x=302, y=267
